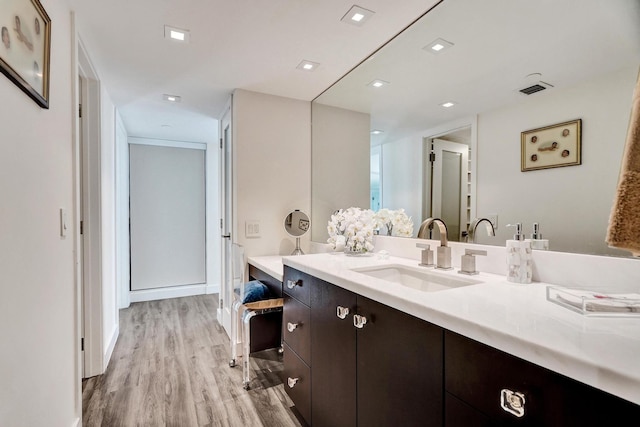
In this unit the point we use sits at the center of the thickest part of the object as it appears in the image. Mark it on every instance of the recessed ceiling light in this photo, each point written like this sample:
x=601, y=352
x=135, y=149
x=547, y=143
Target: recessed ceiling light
x=171, y=98
x=438, y=46
x=376, y=132
x=378, y=83
x=176, y=34
x=448, y=104
x=165, y=126
x=307, y=65
x=357, y=16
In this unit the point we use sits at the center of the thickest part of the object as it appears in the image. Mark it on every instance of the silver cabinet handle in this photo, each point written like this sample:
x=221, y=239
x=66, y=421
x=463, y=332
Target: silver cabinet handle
x=512, y=402
x=293, y=283
x=342, y=312
x=292, y=381
x=359, y=321
x=291, y=326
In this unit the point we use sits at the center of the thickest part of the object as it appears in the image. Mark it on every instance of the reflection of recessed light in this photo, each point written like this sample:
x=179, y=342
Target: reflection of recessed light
x=357, y=16
x=448, y=104
x=171, y=98
x=376, y=132
x=176, y=34
x=378, y=83
x=307, y=65
x=437, y=46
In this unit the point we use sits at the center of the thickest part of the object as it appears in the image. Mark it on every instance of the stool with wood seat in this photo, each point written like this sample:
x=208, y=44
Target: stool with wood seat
x=253, y=299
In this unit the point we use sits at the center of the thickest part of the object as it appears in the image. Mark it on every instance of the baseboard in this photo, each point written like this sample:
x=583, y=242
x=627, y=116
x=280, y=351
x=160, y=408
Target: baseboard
x=213, y=289
x=169, y=292
x=109, y=350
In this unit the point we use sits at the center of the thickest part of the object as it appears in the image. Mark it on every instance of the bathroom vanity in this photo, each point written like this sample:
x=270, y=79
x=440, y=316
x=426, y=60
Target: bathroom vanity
x=366, y=351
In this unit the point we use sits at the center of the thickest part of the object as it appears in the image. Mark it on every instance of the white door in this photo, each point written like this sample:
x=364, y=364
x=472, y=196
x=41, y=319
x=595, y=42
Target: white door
x=226, y=222
x=449, y=185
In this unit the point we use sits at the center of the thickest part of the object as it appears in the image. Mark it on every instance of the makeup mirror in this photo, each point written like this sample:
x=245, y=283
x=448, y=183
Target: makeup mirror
x=297, y=224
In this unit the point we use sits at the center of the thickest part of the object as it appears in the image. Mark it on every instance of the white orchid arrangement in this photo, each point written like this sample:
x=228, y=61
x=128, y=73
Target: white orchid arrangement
x=352, y=230
x=397, y=222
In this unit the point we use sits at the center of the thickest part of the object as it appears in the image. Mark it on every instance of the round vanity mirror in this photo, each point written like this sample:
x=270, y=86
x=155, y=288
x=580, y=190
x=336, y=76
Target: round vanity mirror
x=296, y=224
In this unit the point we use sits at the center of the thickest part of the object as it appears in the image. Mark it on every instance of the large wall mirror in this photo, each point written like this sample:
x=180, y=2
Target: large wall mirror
x=374, y=131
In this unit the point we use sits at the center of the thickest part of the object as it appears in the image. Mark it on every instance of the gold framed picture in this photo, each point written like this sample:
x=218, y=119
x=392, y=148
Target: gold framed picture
x=552, y=146
x=26, y=46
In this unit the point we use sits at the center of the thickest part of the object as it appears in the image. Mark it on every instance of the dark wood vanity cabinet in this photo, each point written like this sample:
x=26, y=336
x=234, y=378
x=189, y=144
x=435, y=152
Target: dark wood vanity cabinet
x=487, y=387
x=388, y=372
x=333, y=350
x=398, y=370
x=296, y=333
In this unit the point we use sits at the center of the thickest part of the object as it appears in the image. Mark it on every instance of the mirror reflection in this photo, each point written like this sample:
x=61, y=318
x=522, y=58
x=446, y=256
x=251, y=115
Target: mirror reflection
x=297, y=224
x=438, y=132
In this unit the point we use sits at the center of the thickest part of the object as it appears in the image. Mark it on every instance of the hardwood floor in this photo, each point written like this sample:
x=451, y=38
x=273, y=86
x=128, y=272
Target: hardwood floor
x=170, y=367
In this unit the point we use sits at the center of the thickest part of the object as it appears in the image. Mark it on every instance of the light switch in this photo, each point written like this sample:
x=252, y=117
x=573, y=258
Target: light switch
x=252, y=229
x=64, y=223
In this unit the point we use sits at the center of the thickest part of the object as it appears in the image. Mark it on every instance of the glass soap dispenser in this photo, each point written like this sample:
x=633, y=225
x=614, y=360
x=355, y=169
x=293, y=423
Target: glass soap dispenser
x=519, y=257
x=537, y=242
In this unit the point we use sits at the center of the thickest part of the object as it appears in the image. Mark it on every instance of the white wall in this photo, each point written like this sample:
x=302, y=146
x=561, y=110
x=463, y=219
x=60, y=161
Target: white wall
x=341, y=153
x=585, y=191
x=122, y=214
x=272, y=157
x=38, y=355
x=402, y=177
x=110, y=318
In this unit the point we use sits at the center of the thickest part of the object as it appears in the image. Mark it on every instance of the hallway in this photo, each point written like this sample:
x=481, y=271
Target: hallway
x=170, y=368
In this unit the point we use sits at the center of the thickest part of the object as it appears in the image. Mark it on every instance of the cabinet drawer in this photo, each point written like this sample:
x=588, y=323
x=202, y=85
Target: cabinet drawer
x=296, y=327
x=297, y=382
x=483, y=377
x=297, y=284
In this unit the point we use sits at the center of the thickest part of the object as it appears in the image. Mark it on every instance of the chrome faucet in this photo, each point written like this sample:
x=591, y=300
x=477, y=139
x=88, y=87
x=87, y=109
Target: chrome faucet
x=471, y=235
x=443, y=259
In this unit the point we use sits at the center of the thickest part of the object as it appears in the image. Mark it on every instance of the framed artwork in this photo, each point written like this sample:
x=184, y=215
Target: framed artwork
x=552, y=146
x=25, y=48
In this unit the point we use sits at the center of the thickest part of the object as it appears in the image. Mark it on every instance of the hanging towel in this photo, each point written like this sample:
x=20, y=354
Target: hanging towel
x=624, y=223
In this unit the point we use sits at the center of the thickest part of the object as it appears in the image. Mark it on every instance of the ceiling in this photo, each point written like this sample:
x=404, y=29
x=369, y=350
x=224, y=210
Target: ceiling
x=497, y=44
x=237, y=44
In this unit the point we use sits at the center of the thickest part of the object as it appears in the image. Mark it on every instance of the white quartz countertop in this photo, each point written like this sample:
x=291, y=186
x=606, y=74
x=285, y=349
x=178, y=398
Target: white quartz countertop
x=517, y=319
x=272, y=265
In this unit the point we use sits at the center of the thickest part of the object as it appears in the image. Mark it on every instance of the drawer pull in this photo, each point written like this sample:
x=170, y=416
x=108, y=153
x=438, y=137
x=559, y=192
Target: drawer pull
x=293, y=283
x=512, y=402
x=291, y=326
x=292, y=381
x=342, y=312
x=359, y=321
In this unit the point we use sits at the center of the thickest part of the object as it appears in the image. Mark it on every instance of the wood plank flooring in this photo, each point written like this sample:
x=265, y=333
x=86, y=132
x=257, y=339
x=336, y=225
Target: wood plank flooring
x=170, y=367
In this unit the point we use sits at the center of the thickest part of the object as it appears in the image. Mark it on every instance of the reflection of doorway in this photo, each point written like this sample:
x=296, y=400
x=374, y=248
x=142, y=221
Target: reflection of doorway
x=376, y=178
x=448, y=181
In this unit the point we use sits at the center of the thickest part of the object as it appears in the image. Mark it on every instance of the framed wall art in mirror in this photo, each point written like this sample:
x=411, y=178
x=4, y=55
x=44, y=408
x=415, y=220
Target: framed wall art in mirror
x=26, y=46
x=552, y=146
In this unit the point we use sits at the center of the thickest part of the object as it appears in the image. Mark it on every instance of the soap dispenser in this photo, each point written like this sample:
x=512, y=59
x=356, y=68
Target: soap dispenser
x=519, y=257
x=537, y=242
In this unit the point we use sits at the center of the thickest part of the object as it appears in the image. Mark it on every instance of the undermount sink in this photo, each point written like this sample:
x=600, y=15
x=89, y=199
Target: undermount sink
x=416, y=277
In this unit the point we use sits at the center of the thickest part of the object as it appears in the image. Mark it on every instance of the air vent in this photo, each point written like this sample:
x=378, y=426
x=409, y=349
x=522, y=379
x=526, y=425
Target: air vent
x=532, y=89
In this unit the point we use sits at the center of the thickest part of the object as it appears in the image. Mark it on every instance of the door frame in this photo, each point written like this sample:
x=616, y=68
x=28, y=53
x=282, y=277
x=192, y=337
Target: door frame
x=226, y=224
x=439, y=146
x=440, y=131
x=87, y=190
